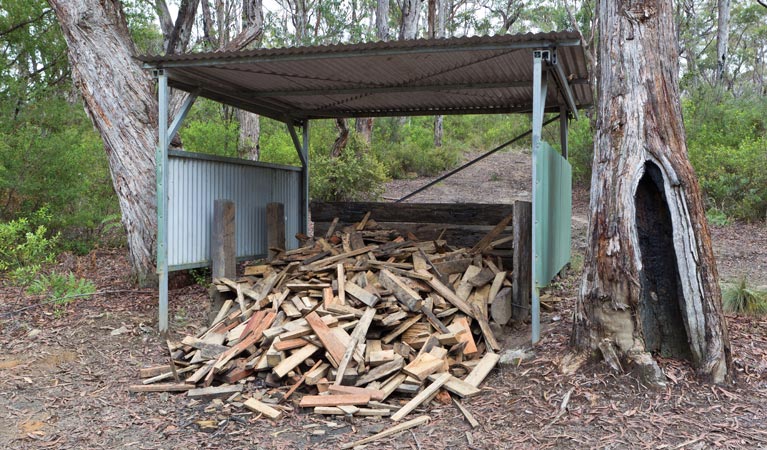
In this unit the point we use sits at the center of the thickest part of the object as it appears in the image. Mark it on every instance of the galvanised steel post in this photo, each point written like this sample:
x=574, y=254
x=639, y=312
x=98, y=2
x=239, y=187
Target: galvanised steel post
x=539, y=104
x=161, y=169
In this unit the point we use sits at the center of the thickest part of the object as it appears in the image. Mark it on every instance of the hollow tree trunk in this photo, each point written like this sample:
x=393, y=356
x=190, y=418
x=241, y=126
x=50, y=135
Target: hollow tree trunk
x=650, y=280
x=118, y=98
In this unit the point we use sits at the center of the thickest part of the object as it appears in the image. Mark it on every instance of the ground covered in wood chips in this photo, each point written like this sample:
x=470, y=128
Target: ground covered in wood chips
x=65, y=369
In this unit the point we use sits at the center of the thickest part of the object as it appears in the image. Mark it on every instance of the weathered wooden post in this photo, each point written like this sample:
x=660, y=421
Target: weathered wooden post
x=523, y=260
x=275, y=228
x=223, y=253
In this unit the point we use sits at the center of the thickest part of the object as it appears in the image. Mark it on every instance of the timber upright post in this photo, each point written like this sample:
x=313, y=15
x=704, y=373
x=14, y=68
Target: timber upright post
x=275, y=229
x=540, y=88
x=161, y=173
x=223, y=259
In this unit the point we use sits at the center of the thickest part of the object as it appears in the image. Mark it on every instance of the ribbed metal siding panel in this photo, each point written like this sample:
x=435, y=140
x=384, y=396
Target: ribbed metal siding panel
x=196, y=181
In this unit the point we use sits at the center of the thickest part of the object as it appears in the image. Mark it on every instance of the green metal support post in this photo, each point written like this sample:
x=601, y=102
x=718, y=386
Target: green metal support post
x=161, y=168
x=540, y=89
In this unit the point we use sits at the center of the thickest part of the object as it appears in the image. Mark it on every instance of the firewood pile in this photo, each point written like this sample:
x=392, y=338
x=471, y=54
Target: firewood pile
x=345, y=323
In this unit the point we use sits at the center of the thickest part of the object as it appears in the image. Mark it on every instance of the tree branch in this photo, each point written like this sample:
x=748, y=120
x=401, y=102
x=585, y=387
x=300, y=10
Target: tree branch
x=25, y=23
x=182, y=30
x=762, y=2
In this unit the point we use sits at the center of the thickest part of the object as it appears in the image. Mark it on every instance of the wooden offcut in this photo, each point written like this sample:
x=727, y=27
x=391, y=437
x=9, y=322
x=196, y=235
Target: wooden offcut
x=275, y=228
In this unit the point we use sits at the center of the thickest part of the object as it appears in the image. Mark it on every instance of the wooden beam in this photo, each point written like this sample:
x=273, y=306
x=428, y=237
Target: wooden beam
x=275, y=228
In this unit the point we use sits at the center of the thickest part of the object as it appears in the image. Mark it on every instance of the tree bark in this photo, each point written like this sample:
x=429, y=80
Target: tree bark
x=250, y=129
x=341, y=139
x=118, y=98
x=650, y=283
x=364, y=125
x=722, y=39
x=411, y=13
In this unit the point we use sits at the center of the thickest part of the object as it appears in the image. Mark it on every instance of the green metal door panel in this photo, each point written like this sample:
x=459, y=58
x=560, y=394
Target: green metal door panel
x=552, y=214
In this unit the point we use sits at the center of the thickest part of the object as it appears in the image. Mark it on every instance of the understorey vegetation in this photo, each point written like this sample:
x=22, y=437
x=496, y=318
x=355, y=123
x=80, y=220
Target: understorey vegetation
x=52, y=160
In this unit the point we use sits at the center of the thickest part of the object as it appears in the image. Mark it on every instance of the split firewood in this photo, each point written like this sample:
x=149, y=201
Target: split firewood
x=361, y=315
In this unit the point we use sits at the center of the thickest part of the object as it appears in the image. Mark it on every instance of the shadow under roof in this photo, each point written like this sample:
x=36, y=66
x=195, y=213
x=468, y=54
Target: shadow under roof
x=474, y=75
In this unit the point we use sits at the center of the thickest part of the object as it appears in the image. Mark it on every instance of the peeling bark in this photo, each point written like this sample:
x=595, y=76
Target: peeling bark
x=640, y=126
x=118, y=96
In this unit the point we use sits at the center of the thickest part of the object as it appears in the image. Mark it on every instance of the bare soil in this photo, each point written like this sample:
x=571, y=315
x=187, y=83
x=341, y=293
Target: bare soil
x=64, y=370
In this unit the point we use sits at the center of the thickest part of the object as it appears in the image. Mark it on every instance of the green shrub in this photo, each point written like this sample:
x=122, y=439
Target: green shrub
x=740, y=298
x=61, y=288
x=355, y=175
x=25, y=244
x=580, y=145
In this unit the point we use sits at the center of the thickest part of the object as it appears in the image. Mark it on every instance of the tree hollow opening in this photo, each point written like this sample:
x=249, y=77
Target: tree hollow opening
x=661, y=299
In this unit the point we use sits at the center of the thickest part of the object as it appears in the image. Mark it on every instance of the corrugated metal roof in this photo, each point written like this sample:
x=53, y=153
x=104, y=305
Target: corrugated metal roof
x=488, y=74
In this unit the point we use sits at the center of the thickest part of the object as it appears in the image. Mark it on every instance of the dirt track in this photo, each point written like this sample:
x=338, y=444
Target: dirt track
x=64, y=376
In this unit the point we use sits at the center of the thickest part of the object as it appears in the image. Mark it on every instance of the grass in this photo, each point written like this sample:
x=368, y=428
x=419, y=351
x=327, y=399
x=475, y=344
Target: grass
x=739, y=298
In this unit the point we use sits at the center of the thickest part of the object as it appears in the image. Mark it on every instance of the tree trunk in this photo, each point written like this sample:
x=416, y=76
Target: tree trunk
x=411, y=12
x=722, y=38
x=364, y=125
x=341, y=139
x=650, y=280
x=437, y=22
x=250, y=129
x=118, y=98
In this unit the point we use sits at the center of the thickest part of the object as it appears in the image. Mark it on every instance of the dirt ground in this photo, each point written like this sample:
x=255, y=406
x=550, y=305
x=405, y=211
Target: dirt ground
x=64, y=370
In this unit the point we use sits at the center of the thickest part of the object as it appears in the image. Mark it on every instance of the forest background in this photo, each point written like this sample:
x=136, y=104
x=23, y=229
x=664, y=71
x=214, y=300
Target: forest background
x=56, y=192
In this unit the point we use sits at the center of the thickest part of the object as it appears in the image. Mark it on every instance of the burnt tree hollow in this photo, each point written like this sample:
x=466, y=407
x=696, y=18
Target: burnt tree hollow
x=661, y=299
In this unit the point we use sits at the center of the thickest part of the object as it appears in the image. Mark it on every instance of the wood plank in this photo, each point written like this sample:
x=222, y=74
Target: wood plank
x=290, y=344
x=358, y=335
x=361, y=294
x=162, y=387
x=322, y=263
x=310, y=401
x=315, y=375
x=401, y=329
x=522, y=262
x=461, y=325
x=341, y=278
x=215, y=391
x=458, y=387
x=449, y=295
x=469, y=417
x=391, y=431
x=487, y=332
x=407, y=296
x=483, y=369
x=392, y=384
x=364, y=412
x=501, y=308
x=374, y=394
x=299, y=382
x=424, y=365
x=292, y=361
x=490, y=237
x=260, y=407
x=381, y=371
x=421, y=397
x=335, y=347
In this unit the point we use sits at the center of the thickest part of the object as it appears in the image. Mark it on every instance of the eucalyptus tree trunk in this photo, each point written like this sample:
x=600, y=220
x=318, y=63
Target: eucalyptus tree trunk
x=437, y=22
x=364, y=125
x=650, y=280
x=119, y=99
x=722, y=38
x=250, y=127
x=411, y=13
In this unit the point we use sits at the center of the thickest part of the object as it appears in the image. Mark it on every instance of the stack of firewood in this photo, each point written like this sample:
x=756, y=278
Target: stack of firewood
x=347, y=321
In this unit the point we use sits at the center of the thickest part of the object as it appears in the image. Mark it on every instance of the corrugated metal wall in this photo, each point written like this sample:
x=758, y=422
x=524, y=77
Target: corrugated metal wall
x=196, y=180
x=552, y=215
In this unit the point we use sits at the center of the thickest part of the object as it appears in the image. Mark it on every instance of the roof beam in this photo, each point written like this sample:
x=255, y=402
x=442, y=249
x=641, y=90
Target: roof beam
x=389, y=89
x=564, y=86
x=212, y=60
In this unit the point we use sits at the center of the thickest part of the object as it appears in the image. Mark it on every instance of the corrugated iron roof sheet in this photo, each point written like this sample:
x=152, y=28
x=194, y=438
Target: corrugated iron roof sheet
x=489, y=74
